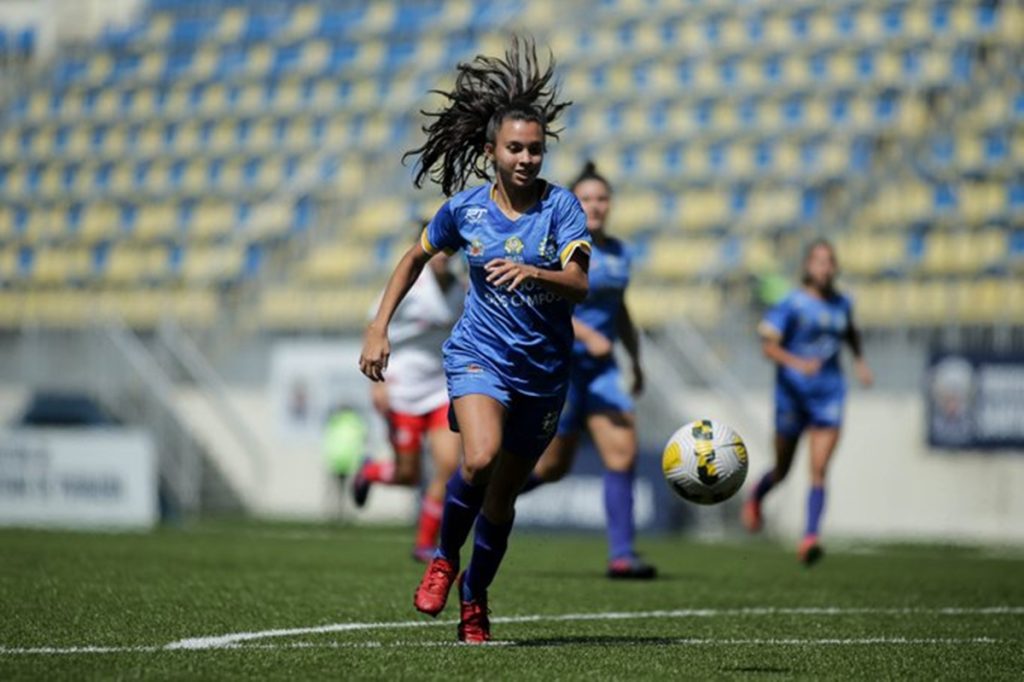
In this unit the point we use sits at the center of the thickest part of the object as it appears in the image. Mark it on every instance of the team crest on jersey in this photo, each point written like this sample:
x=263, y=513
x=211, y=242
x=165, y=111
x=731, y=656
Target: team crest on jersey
x=547, y=249
x=475, y=214
x=476, y=248
x=514, y=248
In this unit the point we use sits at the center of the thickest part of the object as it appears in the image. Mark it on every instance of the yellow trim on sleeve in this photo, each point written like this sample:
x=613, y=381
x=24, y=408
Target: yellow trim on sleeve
x=767, y=330
x=571, y=247
x=425, y=243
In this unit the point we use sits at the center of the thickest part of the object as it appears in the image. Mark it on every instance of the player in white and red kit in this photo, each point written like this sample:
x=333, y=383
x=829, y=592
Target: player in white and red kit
x=414, y=399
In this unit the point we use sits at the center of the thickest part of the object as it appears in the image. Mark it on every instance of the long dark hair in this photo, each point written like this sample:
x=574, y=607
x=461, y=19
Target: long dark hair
x=822, y=243
x=589, y=172
x=487, y=92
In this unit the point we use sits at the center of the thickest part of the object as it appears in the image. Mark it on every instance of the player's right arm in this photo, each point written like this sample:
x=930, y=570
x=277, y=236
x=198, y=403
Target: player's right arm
x=376, y=349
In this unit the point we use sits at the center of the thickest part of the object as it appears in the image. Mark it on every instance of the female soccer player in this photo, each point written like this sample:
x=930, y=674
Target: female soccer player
x=596, y=400
x=803, y=336
x=414, y=400
x=507, y=359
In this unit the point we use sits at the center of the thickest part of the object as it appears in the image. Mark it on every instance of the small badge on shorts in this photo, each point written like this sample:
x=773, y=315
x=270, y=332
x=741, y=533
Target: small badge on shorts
x=548, y=424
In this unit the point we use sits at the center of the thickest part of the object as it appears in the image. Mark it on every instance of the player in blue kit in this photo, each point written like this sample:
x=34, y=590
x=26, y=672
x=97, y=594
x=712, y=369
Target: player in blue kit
x=507, y=359
x=596, y=400
x=803, y=335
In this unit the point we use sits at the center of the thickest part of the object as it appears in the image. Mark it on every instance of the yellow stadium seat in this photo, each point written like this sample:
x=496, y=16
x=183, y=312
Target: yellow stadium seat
x=336, y=262
x=378, y=16
x=99, y=221
x=9, y=143
x=152, y=65
x=231, y=176
x=222, y=139
x=177, y=102
x=636, y=210
x=107, y=104
x=916, y=24
x=158, y=27
x=195, y=307
x=187, y=139
x=155, y=221
x=215, y=100
x=776, y=32
x=204, y=63
x=212, y=220
x=315, y=56
x=287, y=96
x=127, y=265
x=211, y=264
x=258, y=59
x=981, y=201
x=269, y=220
x=700, y=209
x=232, y=22
x=195, y=178
x=382, y=217
x=927, y=303
x=115, y=144
x=6, y=226
x=325, y=95
x=150, y=140
x=250, y=100
x=122, y=180
x=99, y=67
x=303, y=21
x=682, y=259
x=456, y=13
x=370, y=55
x=350, y=180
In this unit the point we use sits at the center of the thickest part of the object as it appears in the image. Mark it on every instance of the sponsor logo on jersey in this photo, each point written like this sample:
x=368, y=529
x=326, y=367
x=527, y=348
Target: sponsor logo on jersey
x=475, y=214
x=476, y=248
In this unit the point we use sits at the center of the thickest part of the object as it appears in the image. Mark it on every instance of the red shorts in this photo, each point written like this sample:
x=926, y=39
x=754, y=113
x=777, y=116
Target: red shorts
x=406, y=431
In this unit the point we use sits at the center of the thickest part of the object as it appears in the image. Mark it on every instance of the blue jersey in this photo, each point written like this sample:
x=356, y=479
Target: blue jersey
x=810, y=327
x=524, y=336
x=609, y=277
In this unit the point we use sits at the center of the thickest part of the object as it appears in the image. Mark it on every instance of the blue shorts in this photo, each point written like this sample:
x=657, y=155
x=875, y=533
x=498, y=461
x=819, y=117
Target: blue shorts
x=594, y=386
x=795, y=411
x=530, y=421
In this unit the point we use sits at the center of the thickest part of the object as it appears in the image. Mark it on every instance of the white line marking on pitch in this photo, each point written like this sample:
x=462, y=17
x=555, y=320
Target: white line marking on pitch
x=236, y=640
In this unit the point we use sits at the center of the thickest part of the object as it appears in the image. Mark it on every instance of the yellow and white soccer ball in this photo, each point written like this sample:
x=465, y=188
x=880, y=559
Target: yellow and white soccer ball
x=705, y=462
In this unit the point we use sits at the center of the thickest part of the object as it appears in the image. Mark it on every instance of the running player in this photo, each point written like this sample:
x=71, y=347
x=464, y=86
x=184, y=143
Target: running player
x=803, y=335
x=596, y=401
x=507, y=360
x=414, y=399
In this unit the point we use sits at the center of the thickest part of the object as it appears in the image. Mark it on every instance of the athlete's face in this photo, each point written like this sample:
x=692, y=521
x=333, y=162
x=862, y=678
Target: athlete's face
x=518, y=152
x=596, y=201
x=821, y=267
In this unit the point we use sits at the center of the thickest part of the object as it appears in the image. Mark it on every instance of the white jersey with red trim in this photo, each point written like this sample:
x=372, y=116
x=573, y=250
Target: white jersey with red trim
x=421, y=324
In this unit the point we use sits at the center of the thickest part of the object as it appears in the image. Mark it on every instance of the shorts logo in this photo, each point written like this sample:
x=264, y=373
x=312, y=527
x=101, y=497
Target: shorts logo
x=514, y=248
x=476, y=248
x=549, y=423
x=476, y=214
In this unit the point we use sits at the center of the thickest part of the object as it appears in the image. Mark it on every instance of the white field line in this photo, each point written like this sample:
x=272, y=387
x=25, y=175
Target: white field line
x=237, y=639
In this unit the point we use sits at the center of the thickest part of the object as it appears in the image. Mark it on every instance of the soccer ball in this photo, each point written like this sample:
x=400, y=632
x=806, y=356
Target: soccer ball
x=705, y=462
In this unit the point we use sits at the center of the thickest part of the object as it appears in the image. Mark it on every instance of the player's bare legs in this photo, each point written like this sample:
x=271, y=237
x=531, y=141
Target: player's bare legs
x=785, y=449
x=480, y=419
x=823, y=443
x=557, y=459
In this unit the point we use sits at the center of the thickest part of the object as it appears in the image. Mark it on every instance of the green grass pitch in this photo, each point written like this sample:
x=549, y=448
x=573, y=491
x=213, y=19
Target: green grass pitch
x=221, y=600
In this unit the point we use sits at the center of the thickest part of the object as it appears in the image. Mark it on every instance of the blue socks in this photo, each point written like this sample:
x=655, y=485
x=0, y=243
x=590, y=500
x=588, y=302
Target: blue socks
x=766, y=483
x=618, y=508
x=815, y=506
x=489, y=547
x=534, y=481
x=462, y=503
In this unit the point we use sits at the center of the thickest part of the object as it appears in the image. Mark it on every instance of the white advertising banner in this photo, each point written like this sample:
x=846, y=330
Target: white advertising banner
x=78, y=478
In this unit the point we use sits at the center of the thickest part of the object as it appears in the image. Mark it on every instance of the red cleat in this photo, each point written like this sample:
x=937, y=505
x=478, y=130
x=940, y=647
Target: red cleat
x=433, y=590
x=809, y=551
x=751, y=516
x=474, y=625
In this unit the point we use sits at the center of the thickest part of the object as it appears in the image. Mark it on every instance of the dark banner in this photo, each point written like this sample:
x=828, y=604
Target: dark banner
x=975, y=400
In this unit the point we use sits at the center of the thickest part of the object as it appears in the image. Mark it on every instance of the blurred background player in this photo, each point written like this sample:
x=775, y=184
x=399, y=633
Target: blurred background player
x=507, y=360
x=414, y=398
x=803, y=335
x=596, y=401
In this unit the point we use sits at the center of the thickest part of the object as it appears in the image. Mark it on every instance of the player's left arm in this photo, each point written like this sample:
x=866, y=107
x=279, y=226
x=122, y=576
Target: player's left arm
x=853, y=338
x=631, y=341
x=571, y=282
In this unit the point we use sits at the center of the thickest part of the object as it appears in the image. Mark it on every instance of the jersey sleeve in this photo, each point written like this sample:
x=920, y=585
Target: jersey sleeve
x=442, y=234
x=572, y=234
x=773, y=324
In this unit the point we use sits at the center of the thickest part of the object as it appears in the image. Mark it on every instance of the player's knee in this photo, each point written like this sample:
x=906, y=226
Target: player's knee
x=477, y=460
x=620, y=460
x=407, y=471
